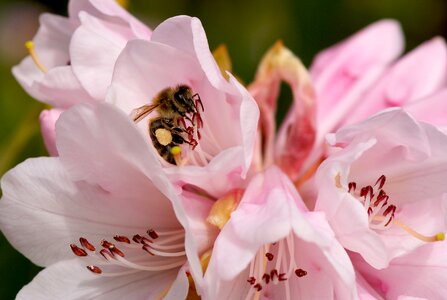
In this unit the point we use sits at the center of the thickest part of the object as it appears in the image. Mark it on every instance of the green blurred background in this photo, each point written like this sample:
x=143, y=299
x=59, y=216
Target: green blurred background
x=248, y=28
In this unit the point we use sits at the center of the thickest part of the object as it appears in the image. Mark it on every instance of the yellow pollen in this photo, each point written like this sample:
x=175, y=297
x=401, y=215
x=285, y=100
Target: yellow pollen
x=163, y=136
x=30, y=46
x=176, y=150
x=434, y=238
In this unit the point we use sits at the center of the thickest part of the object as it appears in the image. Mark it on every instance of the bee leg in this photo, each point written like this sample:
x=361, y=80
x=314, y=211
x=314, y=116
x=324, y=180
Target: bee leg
x=197, y=118
x=178, y=139
x=198, y=101
x=181, y=122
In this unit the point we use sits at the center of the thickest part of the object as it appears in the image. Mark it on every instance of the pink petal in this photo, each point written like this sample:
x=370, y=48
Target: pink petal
x=421, y=274
x=101, y=145
x=70, y=279
x=342, y=73
x=187, y=35
x=111, y=11
x=47, y=121
x=41, y=219
x=418, y=74
x=95, y=68
x=431, y=109
x=134, y=83
x=59, y=87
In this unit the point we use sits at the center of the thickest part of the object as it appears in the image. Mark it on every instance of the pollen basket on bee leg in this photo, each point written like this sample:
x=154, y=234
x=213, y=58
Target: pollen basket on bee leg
x=163, y=136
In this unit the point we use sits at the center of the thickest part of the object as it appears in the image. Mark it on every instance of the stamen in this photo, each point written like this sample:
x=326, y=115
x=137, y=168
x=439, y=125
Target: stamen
x=86, y=244
x=434, y=238
x=122, y=239
x=300, y=272
x=30, y=46
x=78, y=251
x=94, y=269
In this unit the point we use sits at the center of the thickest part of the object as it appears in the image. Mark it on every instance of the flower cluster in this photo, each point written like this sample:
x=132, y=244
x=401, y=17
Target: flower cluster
x=168, y=178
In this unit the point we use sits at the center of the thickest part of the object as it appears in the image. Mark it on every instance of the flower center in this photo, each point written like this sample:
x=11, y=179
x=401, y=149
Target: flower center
x=155, y=251
x=381, y=213
x=274, y=263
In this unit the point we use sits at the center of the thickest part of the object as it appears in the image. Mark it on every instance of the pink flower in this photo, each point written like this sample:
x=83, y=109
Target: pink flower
x=273, y=247
x=98, y=216
x=71, y=59
x=55, y=71
x=221, y=143
x=382, y=188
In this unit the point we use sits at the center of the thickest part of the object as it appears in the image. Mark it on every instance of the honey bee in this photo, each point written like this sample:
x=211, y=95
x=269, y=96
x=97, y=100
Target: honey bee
x=174, y=105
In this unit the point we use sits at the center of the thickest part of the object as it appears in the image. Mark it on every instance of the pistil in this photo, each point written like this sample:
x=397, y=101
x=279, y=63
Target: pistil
x=32, y=53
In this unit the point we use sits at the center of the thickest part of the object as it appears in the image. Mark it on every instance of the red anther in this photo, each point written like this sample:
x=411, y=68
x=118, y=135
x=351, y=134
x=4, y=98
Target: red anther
x=282, y=277
x=199, y=135
x=116, y=251
x=258, y=287
x=367, y=190
x=121, y=239
x=187, y=273
x=381, y=181
x=251, y=280
x=266, y=278
x=152, y=234
x=94, y=269
x=369, y=211
x=391, y=208
x=381, y=197
x=352, y=186
x=269, y=256
x=300, y=272
x=86, y=244
x=78, y=251
x=147, y=249
x=106, y=254
x=137, y=238
x=106, y=244
x=273, y=274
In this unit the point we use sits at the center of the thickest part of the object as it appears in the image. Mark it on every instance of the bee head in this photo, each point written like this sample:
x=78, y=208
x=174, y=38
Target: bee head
x=183, y=99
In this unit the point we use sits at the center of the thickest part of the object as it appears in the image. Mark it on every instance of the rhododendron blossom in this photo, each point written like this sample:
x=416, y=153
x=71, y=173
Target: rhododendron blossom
x=383, y=193
x=170, y=180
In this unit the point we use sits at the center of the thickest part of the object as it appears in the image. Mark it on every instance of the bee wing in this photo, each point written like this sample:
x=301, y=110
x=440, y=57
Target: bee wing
x=139, y=113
